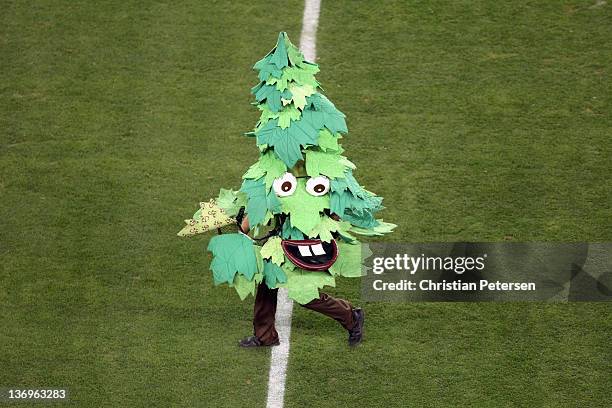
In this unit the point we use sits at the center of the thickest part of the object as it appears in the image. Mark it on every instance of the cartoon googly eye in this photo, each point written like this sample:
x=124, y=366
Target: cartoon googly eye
x=317, y=186
x=285, y=185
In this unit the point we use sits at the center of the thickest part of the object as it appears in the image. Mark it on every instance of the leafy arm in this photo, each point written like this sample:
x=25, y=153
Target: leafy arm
x=215, y=213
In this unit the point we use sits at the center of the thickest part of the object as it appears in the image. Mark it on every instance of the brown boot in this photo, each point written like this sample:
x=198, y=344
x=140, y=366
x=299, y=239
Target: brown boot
x=356, y=333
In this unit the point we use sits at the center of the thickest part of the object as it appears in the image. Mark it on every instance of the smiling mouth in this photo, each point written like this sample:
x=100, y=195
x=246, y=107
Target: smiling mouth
x=311, y=254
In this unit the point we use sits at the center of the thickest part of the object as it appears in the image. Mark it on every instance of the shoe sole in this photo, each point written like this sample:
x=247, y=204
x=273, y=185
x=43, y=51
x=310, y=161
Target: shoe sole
x=261, y=345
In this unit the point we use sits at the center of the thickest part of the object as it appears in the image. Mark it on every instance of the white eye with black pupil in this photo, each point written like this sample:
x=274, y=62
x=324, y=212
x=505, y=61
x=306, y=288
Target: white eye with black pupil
x=285, y=185
x=317, y=186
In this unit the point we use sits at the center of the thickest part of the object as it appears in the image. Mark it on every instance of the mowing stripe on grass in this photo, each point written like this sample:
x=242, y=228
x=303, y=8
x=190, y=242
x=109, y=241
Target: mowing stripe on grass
x=280, y=354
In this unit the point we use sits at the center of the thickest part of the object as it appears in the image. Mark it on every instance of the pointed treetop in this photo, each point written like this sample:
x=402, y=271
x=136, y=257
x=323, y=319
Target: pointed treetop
x=283, y=55
x=293, y=111
x=279, y=57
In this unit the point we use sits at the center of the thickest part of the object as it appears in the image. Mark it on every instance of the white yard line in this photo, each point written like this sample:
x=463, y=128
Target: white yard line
x=310, y=22
x=280, y=354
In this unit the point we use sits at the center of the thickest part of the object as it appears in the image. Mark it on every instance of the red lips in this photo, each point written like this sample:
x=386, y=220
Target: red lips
x=311, y=254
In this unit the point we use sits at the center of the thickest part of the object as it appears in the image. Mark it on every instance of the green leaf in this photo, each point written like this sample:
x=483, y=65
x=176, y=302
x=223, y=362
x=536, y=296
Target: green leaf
x=349, y=259
x=349, y=183
x=290, y=232
x=303, y=286
x=279, y=57
x=304, y=131
x=241, y=200
x=295, y=56
x=329, y=164
x=268, y=165
x=327, y=226
x=226, y=200
x=267, y=69
x=300, y=75
x=354, y=203
x=273, y=251
x=271, y=95
x=256, y=203
x=232, y=253
x=254, y=172
x=288, y=142
x=274, y=205
x=364, y=218
x=300, y=93
x=281, y=83
x=327, y=141
x=288, y=114
x=273, y=274
x=230, y=201
x=344, y=229
x=324, y=114
x=380, y=228
x=286, y=94
x=266, y=113
x=246, y=287
x=272, y=166
x=304, y=209
x=309, y=67
x=324, y=229
x=259, y=201
x=258, y=257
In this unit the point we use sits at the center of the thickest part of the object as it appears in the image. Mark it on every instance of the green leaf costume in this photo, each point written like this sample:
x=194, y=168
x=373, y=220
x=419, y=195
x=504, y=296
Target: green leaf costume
x=303, y=204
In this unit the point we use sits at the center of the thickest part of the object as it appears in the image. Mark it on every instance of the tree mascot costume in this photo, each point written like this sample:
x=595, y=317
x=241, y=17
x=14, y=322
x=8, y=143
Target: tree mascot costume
x=299, y=208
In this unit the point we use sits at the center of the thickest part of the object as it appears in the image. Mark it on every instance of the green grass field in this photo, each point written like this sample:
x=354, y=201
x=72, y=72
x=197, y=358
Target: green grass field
x=478, y=121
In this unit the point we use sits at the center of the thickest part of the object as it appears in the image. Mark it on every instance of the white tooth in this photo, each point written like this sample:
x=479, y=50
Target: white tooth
x=318, y=249
x=304, y=250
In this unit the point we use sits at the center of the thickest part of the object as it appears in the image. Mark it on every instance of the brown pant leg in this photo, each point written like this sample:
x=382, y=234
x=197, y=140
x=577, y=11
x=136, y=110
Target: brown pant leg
x=264, y=313
x=338, y=309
